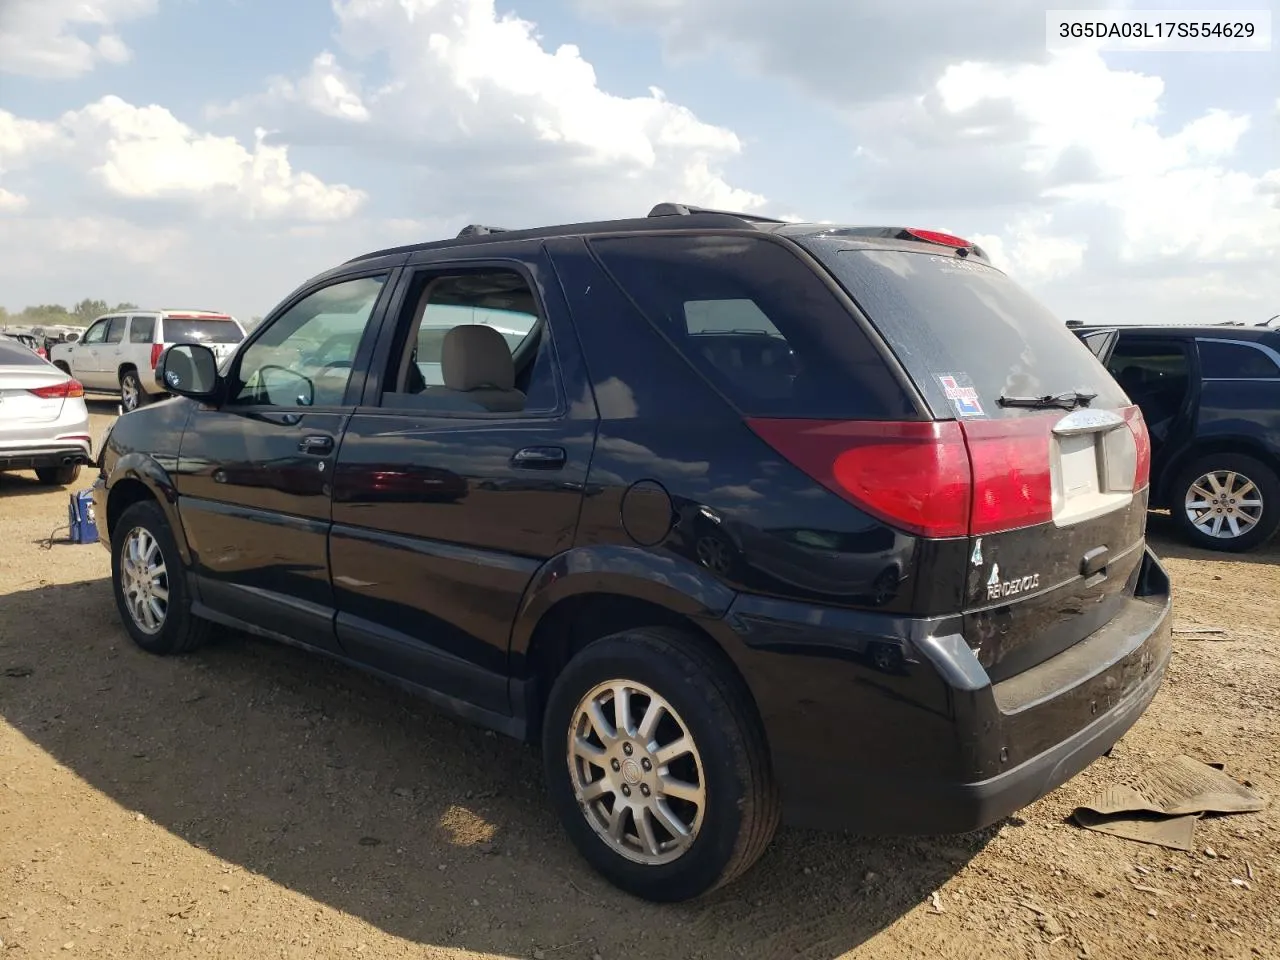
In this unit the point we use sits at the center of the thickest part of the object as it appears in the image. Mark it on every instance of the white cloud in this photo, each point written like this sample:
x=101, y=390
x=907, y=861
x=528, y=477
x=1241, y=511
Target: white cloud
x=64, y=38
x=146, y=154
x=475, y=100
x=11, y=202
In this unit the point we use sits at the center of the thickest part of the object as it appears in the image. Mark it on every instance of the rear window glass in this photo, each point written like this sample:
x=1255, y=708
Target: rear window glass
x=759, y=324
x=15, y=354
x=1235, y=361
x=966, y=332
x=201, y=331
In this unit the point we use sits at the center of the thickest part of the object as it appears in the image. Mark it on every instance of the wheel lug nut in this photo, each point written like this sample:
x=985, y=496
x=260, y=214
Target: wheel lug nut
x=644, y=788
x=646, y=764
x=626, y=791
x=626, y=748
x=616, y=765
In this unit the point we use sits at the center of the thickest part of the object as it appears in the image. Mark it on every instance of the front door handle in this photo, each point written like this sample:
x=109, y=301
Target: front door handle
x=539, y=458
x=319, y=445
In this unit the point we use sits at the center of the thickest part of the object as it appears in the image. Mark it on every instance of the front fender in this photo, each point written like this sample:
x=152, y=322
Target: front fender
x=145, y=469
x=667, y=581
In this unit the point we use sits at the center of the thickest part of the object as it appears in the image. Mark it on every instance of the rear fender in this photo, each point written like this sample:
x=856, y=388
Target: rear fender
x=669, y=582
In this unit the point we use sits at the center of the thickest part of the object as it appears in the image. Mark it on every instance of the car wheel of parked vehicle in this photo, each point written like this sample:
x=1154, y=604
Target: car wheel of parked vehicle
x=132, y=396
x=150, y=586
x=1227, y=501
x=58, y=476
x=657, y=765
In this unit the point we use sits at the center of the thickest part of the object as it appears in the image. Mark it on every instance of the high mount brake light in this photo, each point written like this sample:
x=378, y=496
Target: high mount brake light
x=936, y=236
x=65, y=390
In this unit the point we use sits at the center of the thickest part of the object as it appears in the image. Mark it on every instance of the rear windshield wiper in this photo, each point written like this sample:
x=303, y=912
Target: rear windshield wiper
x=1065, y=401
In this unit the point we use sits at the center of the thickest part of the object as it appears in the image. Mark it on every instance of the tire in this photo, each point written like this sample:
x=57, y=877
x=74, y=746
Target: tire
x=58, y=476
x=740, y=808
x=178, y=631
x=132, y=395
x=1265, y=491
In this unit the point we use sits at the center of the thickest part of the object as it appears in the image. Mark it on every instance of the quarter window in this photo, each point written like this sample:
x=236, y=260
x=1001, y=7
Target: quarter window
x=142, y=329
x=1235, y=361
x=304, y=358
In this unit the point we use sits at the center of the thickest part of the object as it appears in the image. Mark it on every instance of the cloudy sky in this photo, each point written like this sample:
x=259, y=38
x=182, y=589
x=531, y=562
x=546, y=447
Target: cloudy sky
x=215, y=153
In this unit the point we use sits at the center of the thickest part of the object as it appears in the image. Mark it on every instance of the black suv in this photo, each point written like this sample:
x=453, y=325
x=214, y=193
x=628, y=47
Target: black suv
x=734, y=516
x=1211, y=400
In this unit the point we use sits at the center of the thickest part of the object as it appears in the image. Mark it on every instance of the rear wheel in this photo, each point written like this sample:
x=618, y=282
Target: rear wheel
x=150, y=584
x=1227, y=501
x=58, y=476
x=132, y=396
x=657, y=765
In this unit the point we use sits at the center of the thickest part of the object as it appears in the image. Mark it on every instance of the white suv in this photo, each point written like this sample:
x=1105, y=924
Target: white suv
x=118, y=352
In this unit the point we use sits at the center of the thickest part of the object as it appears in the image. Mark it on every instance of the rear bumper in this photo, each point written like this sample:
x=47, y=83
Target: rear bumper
x=38, y=457
x=906, y=734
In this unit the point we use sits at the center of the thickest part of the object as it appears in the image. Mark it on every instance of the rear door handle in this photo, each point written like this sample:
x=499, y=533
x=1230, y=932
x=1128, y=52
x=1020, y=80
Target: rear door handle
x=319, y=445
x=539, y=458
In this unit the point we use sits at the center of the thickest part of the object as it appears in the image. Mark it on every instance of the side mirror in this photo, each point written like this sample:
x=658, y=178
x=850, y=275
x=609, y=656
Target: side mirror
x=189, y=370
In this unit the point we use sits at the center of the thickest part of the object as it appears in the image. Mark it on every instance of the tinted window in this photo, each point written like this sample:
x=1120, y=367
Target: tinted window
x=509, y=368
x=960, y=325
x=183, y=330
x=142, y=329
x=304, y=357
x=1155, y=376
x=15, y=354
x=115, y=330
x=1235, y=361
x=757, y=322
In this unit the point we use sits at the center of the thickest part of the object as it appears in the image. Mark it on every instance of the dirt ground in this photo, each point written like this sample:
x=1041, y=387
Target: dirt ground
x=250, y=801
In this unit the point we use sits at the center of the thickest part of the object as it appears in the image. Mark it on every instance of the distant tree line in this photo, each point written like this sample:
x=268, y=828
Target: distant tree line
x=54, y=314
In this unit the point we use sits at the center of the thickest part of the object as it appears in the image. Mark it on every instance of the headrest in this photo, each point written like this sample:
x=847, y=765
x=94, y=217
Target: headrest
x=475, y=356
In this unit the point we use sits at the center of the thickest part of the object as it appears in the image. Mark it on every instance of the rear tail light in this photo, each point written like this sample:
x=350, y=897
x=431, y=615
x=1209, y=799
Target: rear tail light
x=914, y=476
x=156, y=350
x=59, y=391
x=1012, y=484
x=946, y=478
x=1142, y=441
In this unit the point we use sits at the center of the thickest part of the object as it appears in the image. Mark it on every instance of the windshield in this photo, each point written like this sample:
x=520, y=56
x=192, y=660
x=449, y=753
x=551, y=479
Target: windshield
x=201, y=331
x=965, y=332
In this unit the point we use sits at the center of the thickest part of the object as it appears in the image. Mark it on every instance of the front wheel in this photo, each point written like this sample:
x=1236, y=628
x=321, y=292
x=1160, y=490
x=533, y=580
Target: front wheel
x=657, y=765
x=150, y=584
x=132, y=395
x=1227, y=501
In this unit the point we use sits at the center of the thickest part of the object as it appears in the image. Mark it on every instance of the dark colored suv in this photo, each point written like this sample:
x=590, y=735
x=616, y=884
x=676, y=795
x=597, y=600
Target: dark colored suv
x=1211, y=400
x=733, y=516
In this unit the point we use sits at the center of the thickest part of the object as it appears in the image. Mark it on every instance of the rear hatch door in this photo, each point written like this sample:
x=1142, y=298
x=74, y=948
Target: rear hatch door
x=219, y=333
x=1057, y=529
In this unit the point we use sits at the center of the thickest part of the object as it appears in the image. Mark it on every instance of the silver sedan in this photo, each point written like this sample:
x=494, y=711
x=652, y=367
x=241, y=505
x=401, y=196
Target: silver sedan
x=44, y=423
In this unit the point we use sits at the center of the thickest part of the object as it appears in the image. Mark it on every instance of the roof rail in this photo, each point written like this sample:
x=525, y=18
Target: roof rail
x=479, y=230
x=685, y=210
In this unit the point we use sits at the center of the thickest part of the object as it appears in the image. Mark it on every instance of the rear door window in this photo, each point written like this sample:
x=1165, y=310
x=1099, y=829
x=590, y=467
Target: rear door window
x=115, y=330
x=967, y=333
x=759, y=324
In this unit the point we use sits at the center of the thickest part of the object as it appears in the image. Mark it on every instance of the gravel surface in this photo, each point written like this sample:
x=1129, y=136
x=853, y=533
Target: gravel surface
x=251, y=801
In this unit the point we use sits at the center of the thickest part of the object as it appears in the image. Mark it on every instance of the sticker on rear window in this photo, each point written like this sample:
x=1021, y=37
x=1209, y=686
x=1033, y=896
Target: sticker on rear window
x=961, y=393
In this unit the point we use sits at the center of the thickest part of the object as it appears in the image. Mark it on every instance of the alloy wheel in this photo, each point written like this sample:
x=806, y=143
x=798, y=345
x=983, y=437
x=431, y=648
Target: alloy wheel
x=1223, y=504
x=636, y=772
x=144, y=580
x=129, y=388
